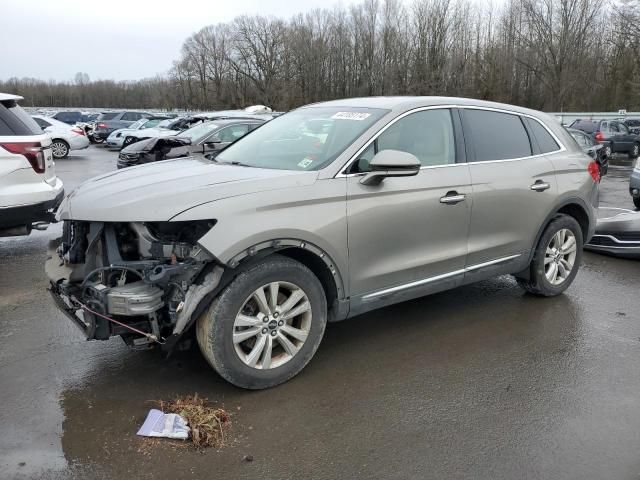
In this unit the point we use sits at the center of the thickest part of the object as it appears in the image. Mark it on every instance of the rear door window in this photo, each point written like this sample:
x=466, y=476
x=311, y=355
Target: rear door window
x=131, y=116
x=496, y=135
x=545, y=141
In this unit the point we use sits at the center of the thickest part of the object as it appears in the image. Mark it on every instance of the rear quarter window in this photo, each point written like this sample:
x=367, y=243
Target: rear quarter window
x=496, y=135
x=546, y=142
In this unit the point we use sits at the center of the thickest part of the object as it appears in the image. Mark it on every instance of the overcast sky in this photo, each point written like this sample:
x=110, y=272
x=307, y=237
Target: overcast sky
x=119, y=39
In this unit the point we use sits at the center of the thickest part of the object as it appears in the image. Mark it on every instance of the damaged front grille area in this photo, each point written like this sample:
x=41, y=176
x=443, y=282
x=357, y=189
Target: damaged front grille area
x=130, y=279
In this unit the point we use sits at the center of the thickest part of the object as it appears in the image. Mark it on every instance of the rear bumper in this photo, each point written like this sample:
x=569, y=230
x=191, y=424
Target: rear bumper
x=104, y=134
x=79, y=142
x=28, y=214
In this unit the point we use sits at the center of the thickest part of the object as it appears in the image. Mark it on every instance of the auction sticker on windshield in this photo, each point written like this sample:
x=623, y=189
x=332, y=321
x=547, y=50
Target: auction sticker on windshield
x=350, y=116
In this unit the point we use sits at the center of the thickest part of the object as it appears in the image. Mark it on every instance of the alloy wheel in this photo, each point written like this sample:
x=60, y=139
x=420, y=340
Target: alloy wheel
x=560, y=256
x=59, y=149
x=635, y=151
x=272, y=325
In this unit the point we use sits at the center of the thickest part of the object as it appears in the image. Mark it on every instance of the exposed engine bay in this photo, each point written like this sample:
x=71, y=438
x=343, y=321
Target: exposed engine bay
x=141, y=281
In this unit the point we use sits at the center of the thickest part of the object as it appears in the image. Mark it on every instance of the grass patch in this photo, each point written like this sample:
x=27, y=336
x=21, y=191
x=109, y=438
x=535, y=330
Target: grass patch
x=209, y=425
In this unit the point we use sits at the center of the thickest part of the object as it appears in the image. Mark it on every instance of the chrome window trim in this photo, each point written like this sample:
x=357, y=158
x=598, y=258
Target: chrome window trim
x=342, y=172
x=443, y=276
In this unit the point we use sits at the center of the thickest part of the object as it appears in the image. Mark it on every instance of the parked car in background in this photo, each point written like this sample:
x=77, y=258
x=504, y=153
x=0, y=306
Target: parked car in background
x=634, y=184
x=117, y=137
x=69, y=117
x=613, y=134
x=617, y=233
x=592, y=148
x=29, y=189
x=208, y=138
x=64, y=138
x=633, y=124
x=325, y=213
x=110, y=121
x=166, y=128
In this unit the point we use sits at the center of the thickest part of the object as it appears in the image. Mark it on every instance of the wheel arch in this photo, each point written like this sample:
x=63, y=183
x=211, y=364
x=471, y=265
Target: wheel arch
x=310, y=255
x=573, y=207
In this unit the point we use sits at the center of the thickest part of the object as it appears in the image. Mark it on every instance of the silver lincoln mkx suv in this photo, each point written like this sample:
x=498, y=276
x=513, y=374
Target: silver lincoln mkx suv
x=326, y=212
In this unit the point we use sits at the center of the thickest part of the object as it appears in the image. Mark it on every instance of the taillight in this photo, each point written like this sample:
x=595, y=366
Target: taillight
x=599, y=137
x=32, y=151
x=594, y=171
x=101, y=125
x=79, y=131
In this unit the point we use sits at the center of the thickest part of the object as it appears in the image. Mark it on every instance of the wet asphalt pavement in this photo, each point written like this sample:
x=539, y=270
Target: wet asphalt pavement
x=478, y=382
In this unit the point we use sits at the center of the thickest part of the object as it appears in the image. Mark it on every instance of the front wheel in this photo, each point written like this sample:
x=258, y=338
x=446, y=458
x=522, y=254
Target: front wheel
x=266, y=325
x=635, y=151
x=636, y=202
x=556, y=259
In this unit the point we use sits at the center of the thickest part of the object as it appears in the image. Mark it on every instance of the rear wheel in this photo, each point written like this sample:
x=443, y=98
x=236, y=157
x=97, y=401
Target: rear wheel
x=556, y=259
x=635, y=151
x=266, y=325
x=59, y=148
x=607, y=151
x=636, y=202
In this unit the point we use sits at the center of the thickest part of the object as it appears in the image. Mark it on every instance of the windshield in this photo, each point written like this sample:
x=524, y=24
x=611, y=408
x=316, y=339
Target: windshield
x=150, y=123
x=138, y=124
x=304, y=139
x=199, y=131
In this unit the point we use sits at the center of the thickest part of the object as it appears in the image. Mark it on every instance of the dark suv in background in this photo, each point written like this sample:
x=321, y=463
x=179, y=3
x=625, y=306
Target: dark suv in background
x=614, y=135
x=110, y=121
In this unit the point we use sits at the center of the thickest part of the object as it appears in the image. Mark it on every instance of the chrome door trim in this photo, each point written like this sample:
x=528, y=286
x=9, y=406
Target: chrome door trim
x=478, y=266
x=444, y=276
x=417, y=283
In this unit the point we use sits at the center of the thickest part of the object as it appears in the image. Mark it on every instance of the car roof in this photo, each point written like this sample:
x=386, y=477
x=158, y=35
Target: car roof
x=9, y=96
x=233, y=121
x=407, y=103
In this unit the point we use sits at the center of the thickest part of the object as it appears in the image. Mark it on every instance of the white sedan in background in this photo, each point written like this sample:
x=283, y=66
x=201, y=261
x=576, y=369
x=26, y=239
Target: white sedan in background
x=64, y=138
x=116, y=138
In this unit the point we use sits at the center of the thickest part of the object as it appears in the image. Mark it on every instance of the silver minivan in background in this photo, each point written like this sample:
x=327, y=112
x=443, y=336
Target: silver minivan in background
x=327, y=212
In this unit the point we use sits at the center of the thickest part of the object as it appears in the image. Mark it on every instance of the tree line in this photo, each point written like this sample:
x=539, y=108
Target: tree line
x=554, y=55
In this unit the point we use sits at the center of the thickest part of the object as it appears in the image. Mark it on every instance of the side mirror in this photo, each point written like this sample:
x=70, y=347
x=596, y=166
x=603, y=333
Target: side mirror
x=391, y=163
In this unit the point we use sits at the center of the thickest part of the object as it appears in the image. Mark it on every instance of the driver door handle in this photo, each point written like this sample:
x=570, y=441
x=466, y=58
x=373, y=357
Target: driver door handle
x=453, y=197
x=540, y=186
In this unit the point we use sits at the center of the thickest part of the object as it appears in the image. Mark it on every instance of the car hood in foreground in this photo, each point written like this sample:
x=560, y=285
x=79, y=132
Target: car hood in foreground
x=161, y=190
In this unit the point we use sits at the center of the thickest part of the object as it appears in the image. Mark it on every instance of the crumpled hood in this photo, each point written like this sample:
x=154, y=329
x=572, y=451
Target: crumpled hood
x=159, y=191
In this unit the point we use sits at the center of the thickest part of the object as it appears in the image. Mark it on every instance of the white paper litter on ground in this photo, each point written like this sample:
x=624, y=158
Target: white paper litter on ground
x=167, y=425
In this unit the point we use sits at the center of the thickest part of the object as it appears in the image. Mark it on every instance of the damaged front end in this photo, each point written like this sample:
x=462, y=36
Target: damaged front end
x=142, y=281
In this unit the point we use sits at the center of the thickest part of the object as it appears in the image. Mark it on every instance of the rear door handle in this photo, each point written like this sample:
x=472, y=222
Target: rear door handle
x=540, y=186
x=451, y=198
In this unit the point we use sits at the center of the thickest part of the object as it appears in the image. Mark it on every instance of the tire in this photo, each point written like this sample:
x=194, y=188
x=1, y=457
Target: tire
x=59, y=148
x=636, y=202
x=635, y=151
x=607, y=151
x=538, y=283
x=216, y=328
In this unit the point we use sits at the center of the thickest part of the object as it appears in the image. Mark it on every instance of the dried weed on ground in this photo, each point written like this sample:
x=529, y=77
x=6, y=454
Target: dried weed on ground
x=209, y=425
